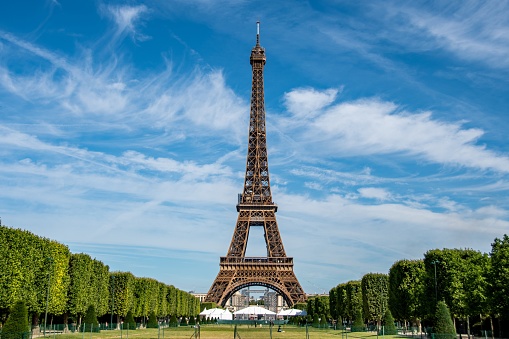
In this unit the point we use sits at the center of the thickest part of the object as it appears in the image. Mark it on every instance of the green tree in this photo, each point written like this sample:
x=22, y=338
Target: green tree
x=444, y=328
x=129, y=322
x=316, y=320
x=90, y=321
x=333, y=303
x=375, y=296
x=353, y=299
x=406, y=289
x=499, y=278
x=79, y=292
x=358, y=322
x=123, y=287
x=174, y=321
x=323, y=321
x=310, y=307
x=101, y=288
x=152, y=320
x=389, y=327
x=16, y=326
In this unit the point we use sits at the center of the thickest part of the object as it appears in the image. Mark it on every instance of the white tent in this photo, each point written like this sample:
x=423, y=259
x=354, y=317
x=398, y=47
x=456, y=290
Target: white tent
x=217, y=313
x=292, y=312
x=254, y=310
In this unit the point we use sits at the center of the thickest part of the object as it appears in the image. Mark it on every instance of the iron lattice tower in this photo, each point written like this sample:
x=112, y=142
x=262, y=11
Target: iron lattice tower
x=256, y=208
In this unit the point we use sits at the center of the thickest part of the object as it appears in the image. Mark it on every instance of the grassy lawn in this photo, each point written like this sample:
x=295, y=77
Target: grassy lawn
x=222, y=332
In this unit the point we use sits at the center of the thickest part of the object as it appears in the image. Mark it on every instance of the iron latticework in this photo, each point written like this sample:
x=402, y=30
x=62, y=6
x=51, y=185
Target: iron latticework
x=256, y=208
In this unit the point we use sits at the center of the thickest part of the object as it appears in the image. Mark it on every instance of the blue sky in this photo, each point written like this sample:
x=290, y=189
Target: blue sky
x=123, y=130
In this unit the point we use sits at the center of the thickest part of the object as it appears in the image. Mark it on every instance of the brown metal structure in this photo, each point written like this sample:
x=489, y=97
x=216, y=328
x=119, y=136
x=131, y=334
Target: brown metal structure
x=256, y=208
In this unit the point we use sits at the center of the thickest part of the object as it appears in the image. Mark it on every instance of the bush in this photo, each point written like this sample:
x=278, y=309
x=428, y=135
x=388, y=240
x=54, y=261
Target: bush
x=389, y=327
x=316, y=321
x=323, y=321
x=358, y=323
x=129, y=323
x=152, y=320
x=192, y=321
x=90, y=322
x=173, y=321
x=16, y=326
x=444, y=327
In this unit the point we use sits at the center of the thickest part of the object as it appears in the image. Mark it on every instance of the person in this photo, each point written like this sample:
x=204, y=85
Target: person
x=279, y=329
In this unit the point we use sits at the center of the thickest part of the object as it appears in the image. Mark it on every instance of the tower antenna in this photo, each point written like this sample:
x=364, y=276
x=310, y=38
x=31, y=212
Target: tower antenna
x=258, y=32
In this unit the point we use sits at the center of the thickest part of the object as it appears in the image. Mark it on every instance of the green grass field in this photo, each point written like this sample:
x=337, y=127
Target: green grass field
x=221, y=332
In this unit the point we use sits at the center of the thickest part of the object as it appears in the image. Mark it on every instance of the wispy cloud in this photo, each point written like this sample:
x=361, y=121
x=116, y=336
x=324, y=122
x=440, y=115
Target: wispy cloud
x=372, y=126
x=472, y=30
x=126, y=18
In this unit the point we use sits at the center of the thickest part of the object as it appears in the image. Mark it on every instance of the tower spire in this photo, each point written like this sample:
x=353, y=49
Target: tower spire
x=258, y=33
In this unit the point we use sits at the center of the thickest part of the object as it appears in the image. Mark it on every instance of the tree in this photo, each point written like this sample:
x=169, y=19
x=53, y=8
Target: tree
x=323, y=321
x=174, y=322
x=90, y=321
x=353, y=299
x=79, y=293
x=499, y=277
x=374, y=295
x=316, y=320
x=152, y=320
x=444, y=327
x=406, y=289
x=389, y=327
x=460, y=281
x=123, y=285
x=358, y=323
x=333, y=303
x=129, y=323
x=16, y=326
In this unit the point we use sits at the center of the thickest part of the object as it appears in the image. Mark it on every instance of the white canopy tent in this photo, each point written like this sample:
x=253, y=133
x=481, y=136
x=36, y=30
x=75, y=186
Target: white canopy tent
x=254, y=310
x=291, y=312
x=217, y=313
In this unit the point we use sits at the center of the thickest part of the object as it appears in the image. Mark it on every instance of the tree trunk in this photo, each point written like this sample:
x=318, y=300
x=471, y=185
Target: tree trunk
x=491, y=323
x=66, y=322
x=35, y=323
x=468, y=327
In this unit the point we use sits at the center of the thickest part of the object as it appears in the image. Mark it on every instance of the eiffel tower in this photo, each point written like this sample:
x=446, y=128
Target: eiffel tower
x=255, y=207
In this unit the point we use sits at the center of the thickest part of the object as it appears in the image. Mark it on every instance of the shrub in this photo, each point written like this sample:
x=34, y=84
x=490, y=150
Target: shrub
x=90, y=321
x=358, y=323
x=444, y=327
x=323, y=321
x=152, y=320
x=173, y=321
x=129, y=323
x=316, y=321
x=389, y=327
x=16, y=326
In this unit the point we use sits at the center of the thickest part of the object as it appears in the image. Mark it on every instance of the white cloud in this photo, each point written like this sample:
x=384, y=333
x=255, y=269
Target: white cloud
x=307, y=102
x=372, y=126
x=126, y=17
x=375, y=193
x=472, y=30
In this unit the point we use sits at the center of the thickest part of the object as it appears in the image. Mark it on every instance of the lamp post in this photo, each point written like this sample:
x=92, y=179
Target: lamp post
x=434, y=263
x=47, y=295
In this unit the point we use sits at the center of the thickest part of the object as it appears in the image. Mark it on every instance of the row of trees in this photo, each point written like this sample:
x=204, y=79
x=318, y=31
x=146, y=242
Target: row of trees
x=45, y=275
x=471, y=283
